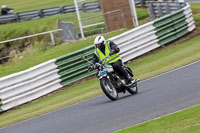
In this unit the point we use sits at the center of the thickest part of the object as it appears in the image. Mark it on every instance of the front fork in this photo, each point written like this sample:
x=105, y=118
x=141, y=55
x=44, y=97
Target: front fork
x=109, y=80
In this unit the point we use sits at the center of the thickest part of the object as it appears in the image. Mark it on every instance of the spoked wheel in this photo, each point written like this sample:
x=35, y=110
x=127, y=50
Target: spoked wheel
x=109, y=90
x=133, y=89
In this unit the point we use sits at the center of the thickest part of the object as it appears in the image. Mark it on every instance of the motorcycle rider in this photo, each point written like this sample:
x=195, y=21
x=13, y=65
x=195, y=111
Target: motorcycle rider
x=5, y=10
x=104, y=48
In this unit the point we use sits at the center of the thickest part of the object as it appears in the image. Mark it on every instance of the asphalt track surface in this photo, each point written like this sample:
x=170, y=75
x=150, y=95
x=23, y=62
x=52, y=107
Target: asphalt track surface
x=158, y=96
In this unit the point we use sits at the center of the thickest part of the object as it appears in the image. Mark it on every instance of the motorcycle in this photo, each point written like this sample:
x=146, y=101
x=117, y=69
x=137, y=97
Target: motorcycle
x=11, y=12
x=111, y=81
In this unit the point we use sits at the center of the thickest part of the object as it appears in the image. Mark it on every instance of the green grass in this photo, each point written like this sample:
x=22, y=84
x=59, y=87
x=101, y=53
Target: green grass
x=195, y=7
x=142, y=13
x=145, y=67
x=197, y=20
x=15, y=30
x=187, y=121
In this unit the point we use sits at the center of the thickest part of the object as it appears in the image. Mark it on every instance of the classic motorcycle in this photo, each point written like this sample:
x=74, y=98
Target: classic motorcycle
x=111, y=81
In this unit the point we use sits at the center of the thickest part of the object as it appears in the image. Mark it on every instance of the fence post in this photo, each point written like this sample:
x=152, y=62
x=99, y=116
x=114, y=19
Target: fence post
x=17, y=17
x=62, y=9
x=40, y=13
x=151, y=11
x=179, y=6
x=167, y=8
x=52, y=38
x=142, y=2
x=160, y=10
x=133, y=12
x=79, y=19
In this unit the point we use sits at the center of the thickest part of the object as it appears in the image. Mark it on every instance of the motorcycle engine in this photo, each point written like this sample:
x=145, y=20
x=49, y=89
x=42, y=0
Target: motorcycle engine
x=124, y=81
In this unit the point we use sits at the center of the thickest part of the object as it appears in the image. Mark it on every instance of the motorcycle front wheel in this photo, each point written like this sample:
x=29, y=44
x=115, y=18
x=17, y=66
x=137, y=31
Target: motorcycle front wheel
x=108, y=89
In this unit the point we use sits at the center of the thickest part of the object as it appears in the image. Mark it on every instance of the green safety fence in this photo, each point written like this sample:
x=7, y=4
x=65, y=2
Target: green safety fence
x=171, y=27
x=72, y=67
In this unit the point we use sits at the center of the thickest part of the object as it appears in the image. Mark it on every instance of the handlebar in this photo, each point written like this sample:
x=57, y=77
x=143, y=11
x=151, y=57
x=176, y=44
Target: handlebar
x=97, y=65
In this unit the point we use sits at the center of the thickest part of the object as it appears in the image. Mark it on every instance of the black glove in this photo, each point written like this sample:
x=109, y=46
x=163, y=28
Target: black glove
x=112, y=52
x=97, y=65
x=91, y=66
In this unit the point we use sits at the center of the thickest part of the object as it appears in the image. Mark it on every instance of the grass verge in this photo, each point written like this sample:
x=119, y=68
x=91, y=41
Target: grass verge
x=160, y=61
x=186, y=121
x=195, y=7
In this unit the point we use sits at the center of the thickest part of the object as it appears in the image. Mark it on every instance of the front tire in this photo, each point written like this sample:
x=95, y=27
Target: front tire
x=108, y=89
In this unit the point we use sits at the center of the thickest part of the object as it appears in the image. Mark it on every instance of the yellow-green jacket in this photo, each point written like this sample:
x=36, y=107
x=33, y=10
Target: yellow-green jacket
x=112, y=59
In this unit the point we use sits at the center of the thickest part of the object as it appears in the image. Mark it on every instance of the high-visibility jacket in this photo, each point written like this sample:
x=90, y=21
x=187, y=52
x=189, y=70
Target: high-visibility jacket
x=112, y=59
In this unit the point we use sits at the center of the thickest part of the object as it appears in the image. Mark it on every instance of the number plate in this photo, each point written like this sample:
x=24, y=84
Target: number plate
x=103, y=72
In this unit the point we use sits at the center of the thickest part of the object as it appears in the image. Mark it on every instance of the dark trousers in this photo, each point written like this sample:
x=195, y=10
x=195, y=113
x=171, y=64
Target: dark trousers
x=118, y=66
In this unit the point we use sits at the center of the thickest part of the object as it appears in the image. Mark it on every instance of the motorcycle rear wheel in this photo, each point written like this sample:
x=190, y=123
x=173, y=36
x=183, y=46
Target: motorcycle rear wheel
x=108, y=89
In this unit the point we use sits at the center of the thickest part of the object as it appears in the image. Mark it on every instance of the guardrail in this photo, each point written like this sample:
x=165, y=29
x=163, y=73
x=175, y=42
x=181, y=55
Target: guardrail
x=38, y=34
x=37, y=14
x=144, y=3
x=160, y=9
x=22, y=87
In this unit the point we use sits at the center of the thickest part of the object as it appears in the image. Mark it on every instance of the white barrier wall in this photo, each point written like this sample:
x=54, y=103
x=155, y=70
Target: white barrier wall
x=189, y=18
x=137, y=41
x=28, y=85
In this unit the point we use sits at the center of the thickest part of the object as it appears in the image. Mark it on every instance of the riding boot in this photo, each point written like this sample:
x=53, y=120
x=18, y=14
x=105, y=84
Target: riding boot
x=118, y=66
x=129, y=78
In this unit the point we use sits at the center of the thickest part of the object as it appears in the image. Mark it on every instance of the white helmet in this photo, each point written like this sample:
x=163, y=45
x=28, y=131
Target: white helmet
x=3, y=6
x=99, y=40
